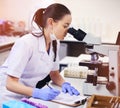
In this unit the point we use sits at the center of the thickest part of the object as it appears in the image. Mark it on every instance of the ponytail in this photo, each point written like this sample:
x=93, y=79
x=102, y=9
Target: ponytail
x=38, y=17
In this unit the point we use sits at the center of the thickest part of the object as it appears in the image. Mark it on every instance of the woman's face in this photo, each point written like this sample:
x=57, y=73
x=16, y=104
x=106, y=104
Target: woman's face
x=60, y=27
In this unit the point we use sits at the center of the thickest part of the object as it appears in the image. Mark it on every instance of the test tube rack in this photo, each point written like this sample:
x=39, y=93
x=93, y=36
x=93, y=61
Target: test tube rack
x=100, y=101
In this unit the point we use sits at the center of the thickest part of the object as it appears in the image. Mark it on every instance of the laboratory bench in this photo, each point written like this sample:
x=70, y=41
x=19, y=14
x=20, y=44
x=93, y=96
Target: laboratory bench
x=73, y=71
x=77, y=83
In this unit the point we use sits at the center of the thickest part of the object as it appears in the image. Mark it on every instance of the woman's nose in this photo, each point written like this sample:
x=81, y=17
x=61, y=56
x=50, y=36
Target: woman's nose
x=67, y=29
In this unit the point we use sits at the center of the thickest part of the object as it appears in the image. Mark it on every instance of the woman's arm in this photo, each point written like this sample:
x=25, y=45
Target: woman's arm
x=56, y=78
x=13, y=84
x=66, y=87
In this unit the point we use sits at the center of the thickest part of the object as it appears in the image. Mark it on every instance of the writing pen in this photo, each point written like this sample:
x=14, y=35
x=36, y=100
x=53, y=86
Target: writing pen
x=48, y=85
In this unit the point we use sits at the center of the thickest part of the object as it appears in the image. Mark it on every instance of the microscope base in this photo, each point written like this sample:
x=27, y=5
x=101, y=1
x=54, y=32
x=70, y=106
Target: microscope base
x=99, y=89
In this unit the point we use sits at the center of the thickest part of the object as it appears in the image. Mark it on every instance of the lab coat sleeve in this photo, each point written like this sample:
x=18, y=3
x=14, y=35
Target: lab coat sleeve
x=18, y=58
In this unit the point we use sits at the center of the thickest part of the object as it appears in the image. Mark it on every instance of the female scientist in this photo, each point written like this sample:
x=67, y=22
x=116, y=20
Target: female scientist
x=35, y=55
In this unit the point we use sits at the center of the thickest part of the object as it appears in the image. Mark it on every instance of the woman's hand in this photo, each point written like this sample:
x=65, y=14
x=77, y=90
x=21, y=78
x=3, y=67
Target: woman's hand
x=45, y=93
x=67, y=88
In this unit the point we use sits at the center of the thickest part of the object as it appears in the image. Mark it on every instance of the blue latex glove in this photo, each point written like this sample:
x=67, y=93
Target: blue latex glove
x=45, y=93
x=66, y=87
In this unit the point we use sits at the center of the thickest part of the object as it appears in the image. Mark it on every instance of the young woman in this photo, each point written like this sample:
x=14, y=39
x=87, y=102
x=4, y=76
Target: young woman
x=35, y=56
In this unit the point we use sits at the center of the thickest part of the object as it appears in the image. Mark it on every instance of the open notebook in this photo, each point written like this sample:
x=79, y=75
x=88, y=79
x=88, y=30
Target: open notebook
x=69, y=100
x=66, y=99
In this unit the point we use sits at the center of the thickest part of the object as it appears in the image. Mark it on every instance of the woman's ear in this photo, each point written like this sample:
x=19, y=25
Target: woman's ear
x=50, y=21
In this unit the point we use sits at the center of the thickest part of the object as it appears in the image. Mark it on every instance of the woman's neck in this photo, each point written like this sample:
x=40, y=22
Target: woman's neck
x=47, y=39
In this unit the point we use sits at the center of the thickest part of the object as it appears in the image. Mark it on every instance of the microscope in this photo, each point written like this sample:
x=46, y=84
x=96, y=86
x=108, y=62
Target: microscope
x=110, y=70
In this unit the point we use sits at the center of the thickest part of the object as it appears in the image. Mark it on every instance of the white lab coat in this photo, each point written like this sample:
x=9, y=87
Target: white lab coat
x=28, y=61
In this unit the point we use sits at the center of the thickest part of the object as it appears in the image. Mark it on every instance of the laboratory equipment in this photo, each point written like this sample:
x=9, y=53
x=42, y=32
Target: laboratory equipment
x=110, y=70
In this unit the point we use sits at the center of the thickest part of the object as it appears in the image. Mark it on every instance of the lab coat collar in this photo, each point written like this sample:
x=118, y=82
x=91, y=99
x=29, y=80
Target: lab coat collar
x=41, y=44
x=42, y=49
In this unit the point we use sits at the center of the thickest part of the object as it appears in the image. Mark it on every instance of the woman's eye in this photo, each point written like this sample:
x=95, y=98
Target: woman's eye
x=65, y=26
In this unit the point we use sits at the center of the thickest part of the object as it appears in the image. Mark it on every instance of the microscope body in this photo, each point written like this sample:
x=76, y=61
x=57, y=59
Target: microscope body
x=112, y=87
x=111, y=70
x=113, y=52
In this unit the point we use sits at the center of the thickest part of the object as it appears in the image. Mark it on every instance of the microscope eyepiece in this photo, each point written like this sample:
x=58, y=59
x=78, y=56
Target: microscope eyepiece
x=77, y=34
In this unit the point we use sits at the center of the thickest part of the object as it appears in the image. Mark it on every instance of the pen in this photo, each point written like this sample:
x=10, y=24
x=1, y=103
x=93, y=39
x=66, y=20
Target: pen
x=48, y=85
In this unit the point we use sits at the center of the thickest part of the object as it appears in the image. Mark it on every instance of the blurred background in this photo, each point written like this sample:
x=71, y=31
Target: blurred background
x=100, y=17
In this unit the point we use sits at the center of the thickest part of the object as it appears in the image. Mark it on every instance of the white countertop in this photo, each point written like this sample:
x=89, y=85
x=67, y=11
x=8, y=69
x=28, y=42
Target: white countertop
x=77, y=83
x=80, y=85
x=7, y=39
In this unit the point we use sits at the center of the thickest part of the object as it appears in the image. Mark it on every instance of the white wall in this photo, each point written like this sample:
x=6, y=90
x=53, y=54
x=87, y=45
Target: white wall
x=100, y=17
